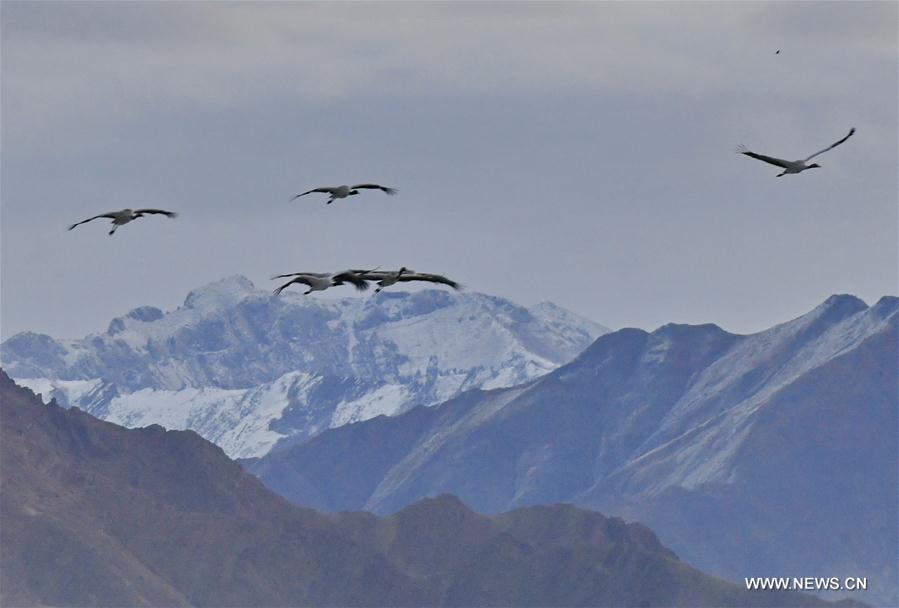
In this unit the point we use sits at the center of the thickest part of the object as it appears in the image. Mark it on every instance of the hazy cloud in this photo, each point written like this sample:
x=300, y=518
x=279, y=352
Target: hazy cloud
x=576, y=152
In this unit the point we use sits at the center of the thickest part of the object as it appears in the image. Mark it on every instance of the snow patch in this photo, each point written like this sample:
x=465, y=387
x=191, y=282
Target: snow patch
x=386, y=400
x=66, y=392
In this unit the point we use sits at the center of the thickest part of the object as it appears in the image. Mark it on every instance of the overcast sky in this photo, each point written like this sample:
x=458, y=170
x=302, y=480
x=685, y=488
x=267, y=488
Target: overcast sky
x=579, y=153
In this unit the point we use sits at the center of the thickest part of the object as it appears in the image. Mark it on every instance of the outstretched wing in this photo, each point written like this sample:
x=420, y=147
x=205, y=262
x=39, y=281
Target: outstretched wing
x=371, y=274
x=300, y=279
x=111, y=215
x=296, y=274
x=768, y=159
x=349, y=276
x=326, y=190
x=831, y=146
x=374, y=187
x=171, y=214
x=431, y=278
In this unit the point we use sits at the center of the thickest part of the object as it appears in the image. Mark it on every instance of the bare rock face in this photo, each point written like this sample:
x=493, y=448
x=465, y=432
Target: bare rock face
x=93, y=514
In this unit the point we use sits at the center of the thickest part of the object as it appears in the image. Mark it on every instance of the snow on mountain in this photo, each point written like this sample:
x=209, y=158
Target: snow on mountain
x=745, y=378
x=64, y=392
x=247, y=370
x=751, y=455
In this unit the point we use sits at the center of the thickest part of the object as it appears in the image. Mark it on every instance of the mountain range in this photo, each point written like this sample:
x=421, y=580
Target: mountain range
x=250, y=371
x=94, y=514
x=770, y=454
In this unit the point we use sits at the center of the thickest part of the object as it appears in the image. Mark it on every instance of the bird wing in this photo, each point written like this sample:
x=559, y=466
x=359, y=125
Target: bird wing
x=300, y=279
x=431, y=278
x=318, y=275
x=831, y=146
x=160, y=211
x=327, y=190
x=111, y=215
x=768, y=159
x=375, y=187
x=371, y=275
x=348, y=276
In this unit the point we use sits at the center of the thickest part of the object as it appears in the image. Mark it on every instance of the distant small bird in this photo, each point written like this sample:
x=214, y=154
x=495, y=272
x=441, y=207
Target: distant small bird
x=345, y=191
x=793, y=166
x=388, y=278
x=120, y=218
x=320, y=281
x=777, y=52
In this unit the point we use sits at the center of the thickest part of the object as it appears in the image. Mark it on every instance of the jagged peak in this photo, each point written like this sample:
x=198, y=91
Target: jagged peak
x=886, y=306
x=141, y=314
x=679, y=329
x=831, y=311
x=610, y=342
x=29, y=337
x=146, y=314
x=7, y=383
x=842, y=303
x=224, y=292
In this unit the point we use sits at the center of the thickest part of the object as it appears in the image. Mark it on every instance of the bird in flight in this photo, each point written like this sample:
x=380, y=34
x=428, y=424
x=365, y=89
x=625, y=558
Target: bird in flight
x=344, y=191
x=120, y=218
x=384, y=279
x=320, y=281
x=793, y=166
x=387, y=278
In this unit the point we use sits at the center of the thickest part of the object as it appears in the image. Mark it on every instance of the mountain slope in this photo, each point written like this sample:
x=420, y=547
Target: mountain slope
x=248, y=370
x=738, y=450
x=93, y=514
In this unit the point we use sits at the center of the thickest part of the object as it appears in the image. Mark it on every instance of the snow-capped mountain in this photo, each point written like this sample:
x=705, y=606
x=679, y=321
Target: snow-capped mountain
x=749, y=455
x=247, y=370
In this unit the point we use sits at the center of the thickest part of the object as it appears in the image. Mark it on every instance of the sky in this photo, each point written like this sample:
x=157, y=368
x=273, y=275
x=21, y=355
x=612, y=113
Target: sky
x=580, y=153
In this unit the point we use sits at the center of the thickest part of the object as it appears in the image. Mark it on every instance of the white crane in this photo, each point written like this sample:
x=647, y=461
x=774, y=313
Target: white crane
x=793, y=166
x=345, y=191
x=387, y=278
x=384, y=279
x=320, y=281
x=120, y=218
